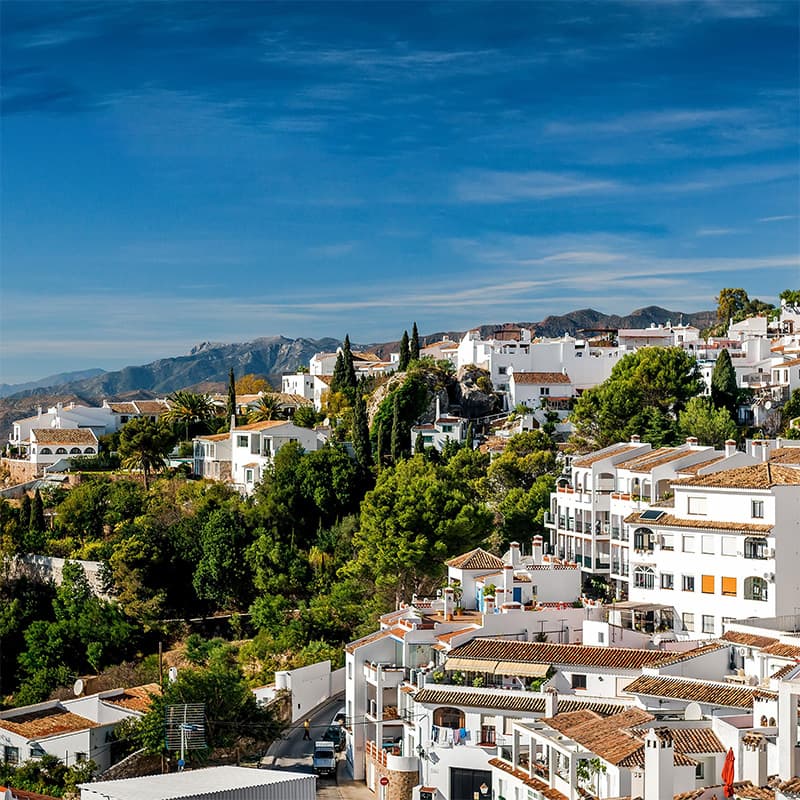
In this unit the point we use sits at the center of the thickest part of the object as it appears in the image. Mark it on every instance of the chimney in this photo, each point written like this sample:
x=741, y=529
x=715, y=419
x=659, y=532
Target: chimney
x=449, y=605
x=536, y=549
x=516, y=559
x=635, y=439
x=508, y=580
x=550, y=702
x=754, y=758
x=659, y=755
x=438, y=408
x=488, y=605
x=764, y=450
x=499, y=597
x=778, y=442
x=233, y=421
x=691, y=441
x=730, y=449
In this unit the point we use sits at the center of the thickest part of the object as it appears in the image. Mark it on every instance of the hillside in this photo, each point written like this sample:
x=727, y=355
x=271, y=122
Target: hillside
x=271, y=356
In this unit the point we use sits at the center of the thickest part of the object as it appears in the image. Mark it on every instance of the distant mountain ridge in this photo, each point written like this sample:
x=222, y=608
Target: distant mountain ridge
x=7, y=389
x=272, y=356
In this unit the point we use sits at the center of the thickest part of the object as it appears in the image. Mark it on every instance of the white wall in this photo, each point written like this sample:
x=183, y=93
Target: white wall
x=310, y=686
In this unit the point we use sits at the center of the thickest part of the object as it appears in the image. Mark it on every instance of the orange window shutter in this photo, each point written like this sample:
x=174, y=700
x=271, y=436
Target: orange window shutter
x=729, y=586
x=708, y=584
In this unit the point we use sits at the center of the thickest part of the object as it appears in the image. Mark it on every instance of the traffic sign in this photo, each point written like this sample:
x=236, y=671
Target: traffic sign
x=384, y=781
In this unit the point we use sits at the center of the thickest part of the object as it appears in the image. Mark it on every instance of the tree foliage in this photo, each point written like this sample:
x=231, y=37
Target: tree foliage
x=252, y=384
x=189, y=412
x=711, y=426
x=405, y=355
x=413, y=346
x=724, y=389
x=143, y=445
x=643, y=395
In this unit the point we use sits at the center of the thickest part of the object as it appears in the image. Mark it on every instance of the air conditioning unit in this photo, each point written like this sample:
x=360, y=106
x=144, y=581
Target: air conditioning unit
x=769, y=576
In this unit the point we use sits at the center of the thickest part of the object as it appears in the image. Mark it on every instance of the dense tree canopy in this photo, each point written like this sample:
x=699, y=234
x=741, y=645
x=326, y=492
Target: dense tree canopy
x=724, y=389
x=711, y=426
x=646, y=391
x=143, y=445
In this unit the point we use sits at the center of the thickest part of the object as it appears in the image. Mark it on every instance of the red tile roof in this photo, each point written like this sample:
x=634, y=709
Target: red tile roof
x=759, y=476
x=599, y=455
x=137, y=698
x=475, y=559
x=718, y=694
x=748, y=639
x=540, y=377
x=44, y=723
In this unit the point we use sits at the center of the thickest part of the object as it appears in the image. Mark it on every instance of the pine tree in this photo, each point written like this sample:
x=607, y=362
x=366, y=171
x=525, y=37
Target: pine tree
x=414, y=346
x=361, y=442
x=349, y=369
x=380, y=446
x=723, y=384
x=404, y=353
x=231, y=409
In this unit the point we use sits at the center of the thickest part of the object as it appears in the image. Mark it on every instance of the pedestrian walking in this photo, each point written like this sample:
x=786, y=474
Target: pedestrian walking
x=307, y=729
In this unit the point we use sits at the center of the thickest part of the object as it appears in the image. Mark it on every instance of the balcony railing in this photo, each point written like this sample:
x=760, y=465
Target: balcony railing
x=615, y=532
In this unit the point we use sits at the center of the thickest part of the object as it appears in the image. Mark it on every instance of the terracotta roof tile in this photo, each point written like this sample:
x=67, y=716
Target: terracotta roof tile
x=646, y=462
x=447, y=637
x=64, y=436
x=506, y=701
x=22, y=794
x=123, y=408
x=599, y=455
x=374, y=637
x=783, y=650
x=534, y=783
x=759, y=476
x=628, y=658
x=215, y=437
x=540, y=377
x=718, y=694
x=475, y=559
x=785, y=455
x=747, y=639
x=261, y=426
x=693, y=469
x=792, y=786
x=671, y=521
x=151, y=406
x=137, y=698
x=47, y=722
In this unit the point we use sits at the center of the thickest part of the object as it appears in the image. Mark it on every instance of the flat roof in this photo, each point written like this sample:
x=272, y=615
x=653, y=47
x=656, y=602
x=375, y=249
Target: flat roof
x=192, y=783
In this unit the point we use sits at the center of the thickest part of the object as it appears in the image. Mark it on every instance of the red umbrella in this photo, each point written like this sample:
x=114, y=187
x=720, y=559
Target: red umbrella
x=727, y=774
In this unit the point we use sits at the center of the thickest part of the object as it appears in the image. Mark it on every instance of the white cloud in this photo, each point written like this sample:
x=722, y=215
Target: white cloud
x=492, y=186
x=780, y=218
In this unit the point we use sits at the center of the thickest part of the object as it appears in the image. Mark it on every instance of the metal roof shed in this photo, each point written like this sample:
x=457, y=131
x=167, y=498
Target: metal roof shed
x=212, y=783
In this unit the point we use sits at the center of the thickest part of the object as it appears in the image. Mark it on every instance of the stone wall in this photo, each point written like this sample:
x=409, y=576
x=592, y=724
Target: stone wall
x=401, y=784
x=19, y=471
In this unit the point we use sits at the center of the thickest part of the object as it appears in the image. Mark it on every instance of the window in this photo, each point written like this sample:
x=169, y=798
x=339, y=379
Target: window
x=644, y=578
x=46, y=451
x=79, y=757
x=61, y=451
x=447, y=428
x=696, y=505
x=37, y=751
x=688, y=583
x=667, y=580
x=75, y=451
x=89, y=451
x=248, y=476
x=700, y=771
x=728, y=587
x=502, y=370
x=757, y=508
x=688, y=544
x=755, y=589
x=448, y=718
x=729, y=545
x=755, y=548
x=350, y=671
x=688, y=621
x=708, y=545
x=601, y=638
x=578, y=681
x=544, y=390
x=11, y=755
x=667, y=542
x=241, y=441
x=708, y=623
x=707, y=584
x=643, y=539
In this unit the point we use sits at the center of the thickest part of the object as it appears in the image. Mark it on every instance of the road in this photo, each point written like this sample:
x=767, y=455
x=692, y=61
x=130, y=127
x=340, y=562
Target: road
x=292, y=752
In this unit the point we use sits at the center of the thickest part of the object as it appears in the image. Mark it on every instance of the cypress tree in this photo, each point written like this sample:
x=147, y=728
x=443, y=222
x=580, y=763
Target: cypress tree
x=231, y=408
x=723, y=384
x=397, y=433
x=361, y=442
x=404, y=352
x=414, y=346
x=469, y=442
x=349, y=369
x=339, y=380
x=419, y=445
x=37, y=523
x=380, y=445
x=25, y=512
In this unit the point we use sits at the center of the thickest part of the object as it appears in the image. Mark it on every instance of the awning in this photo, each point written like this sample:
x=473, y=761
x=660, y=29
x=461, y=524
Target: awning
x=471, y=664
x=521, y=669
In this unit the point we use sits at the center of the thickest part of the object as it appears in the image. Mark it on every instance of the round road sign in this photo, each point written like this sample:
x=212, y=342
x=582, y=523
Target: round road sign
x=384, y=781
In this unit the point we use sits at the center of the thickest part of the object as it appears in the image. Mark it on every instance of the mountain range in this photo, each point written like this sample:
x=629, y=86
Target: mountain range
x=210, y=362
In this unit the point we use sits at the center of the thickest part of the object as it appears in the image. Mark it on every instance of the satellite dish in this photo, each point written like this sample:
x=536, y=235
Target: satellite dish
x=768, y=404
x=693, y=712
x=172, y=674
x=77, y=688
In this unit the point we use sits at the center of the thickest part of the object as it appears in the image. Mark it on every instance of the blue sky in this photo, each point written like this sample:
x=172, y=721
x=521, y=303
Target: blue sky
x=181, y=172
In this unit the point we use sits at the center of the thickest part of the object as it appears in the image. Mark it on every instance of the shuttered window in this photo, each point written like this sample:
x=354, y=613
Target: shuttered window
x=729, y=587
x=708, y=584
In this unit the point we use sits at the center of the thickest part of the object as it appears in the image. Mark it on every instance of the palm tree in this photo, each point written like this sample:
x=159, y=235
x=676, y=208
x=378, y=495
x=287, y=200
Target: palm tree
x=143, y=445
x=189, y=408
x=267, y=408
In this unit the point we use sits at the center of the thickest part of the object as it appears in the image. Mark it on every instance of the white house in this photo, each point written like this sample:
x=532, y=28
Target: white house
x=212, y=457
x=254, y=446
x=729, y=547
x=443, y=429
x=48, y=445
x=551, y=390
x=71, y=730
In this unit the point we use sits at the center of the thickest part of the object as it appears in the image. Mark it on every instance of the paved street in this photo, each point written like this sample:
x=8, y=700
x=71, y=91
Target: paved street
x=294, y=753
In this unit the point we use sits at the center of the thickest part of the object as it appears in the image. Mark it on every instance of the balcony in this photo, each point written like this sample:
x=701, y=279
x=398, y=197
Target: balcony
x=615, y=532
